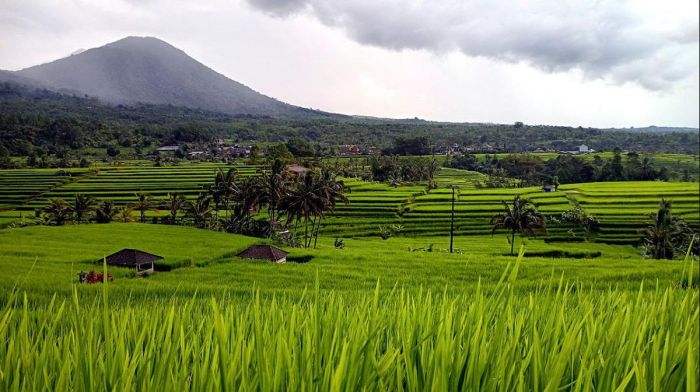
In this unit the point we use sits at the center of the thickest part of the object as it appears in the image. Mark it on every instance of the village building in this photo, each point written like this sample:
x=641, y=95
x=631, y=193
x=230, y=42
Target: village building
x=142, y=262
x=349, y=149
x=373, y=150
x=264, y=252
x=584, y=149
x=167, y=149
x=237, y=150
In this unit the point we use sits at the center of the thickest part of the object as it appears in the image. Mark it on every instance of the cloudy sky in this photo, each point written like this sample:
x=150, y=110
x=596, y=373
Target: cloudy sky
x=591, y=63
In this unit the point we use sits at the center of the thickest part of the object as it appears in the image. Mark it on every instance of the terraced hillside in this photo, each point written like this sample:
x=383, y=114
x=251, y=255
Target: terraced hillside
x=623, y=208
x=17, y=187
x=119, y=183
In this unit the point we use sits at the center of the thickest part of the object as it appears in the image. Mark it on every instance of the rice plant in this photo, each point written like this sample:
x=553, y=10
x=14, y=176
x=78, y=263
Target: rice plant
x=558, y=337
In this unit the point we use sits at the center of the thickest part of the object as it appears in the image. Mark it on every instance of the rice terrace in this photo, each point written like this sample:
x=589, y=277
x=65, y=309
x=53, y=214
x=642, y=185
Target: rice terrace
x=166, y=228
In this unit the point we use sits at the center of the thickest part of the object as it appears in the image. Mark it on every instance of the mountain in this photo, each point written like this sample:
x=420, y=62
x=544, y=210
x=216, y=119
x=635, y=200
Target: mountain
x=148, y=70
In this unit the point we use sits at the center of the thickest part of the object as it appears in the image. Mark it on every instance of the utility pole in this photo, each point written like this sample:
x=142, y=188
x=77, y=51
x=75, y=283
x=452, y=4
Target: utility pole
x=452, y=219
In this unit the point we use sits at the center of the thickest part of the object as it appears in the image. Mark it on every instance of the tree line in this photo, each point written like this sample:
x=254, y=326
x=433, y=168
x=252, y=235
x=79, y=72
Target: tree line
x=32, y=120
x=530, y=169
x=665, y=237
x=294, y=203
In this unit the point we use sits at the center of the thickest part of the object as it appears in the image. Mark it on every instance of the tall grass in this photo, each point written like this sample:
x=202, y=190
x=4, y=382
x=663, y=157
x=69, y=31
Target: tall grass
x=559, y=337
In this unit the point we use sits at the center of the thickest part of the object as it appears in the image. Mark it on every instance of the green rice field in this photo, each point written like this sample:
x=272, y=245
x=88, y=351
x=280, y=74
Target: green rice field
x=568, y=313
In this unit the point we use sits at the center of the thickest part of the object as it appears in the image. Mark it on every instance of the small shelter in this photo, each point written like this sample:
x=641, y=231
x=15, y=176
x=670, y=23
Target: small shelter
x=296, y=169
x=142, y=262
x=264, y=252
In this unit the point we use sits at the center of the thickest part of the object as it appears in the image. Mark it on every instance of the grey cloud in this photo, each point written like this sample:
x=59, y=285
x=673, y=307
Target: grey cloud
x=602, y=39
x=279, y=8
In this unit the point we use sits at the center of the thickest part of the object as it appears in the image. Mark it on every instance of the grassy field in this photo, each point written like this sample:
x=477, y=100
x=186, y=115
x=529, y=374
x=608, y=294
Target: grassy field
x=396, y=314
x=45, y=260
x=376, y=315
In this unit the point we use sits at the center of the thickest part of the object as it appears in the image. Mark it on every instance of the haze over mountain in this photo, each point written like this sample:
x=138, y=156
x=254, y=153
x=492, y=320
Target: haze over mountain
x=148, y=70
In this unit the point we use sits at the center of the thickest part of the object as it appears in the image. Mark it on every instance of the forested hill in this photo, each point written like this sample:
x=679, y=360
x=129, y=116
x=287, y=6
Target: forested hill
x=31, y=118
x=148, y=70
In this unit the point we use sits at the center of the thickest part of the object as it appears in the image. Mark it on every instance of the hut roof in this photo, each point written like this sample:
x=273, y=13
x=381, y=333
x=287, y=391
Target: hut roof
x=131, y=258
x=297, y=169
x=265, y=252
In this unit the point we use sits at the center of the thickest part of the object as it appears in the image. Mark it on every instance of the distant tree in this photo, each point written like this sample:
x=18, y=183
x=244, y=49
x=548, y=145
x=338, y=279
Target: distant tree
x=667, y=234
x=199, y=211
x=224, y=189
x=106, y=212
x=686, y=176
x=84, y=162
x=304, y=203
x=613, y=170
x=411, y=146
x=579, y=217
x=125, y=215
x=464, y=161
x=57, y=212
x=519, y=217
x=279, y=152
x=4, y=157
x=191, y=132
x=272, y=189
x=144, y=202
x=300, y=148
x=82, y=205
x=112, y=151
x=173, y=204
x=597, y=160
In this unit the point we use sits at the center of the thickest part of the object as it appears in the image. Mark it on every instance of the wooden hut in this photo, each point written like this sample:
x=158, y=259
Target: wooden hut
x=264, y=252
x=142, y=262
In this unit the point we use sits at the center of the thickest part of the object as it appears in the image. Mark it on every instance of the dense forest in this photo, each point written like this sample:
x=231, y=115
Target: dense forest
x=34, y=120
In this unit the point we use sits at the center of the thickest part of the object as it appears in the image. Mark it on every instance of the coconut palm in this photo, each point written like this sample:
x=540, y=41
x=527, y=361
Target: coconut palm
x=106, y=211
x=82, y=205
x=144, y=202
x=303, y=202
x=224, y=188
x=199, y=211
x=173, y=203
x=666, y=234
x=125, y=215
x=520, y=217
x=272, y=187
x=57, y=212
x=331, y=190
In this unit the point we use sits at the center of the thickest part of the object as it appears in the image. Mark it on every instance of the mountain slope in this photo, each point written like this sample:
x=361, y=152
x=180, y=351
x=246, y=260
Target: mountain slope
x=148, y=70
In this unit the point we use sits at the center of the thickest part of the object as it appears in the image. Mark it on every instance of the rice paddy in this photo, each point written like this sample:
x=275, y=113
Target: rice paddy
x=399, y=314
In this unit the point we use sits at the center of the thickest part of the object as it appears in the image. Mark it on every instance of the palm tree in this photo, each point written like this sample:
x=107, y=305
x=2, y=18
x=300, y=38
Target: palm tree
x=224, y=188
x=106, y=211
x=331, y=191
x=521, y=217
x=82, y=204
x=666, y=233
x=199, y=211
x=125, y=215
x=174, y=203
x=57, y=212
x=302, y=202
x=144, y=202
x=273, y=188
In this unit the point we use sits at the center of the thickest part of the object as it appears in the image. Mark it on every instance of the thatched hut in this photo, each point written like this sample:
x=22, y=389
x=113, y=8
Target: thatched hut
x=264, y=252
x=142, y=262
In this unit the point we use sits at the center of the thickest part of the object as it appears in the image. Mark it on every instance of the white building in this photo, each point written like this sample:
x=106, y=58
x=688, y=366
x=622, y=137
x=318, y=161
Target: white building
x=584, y=148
